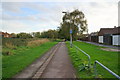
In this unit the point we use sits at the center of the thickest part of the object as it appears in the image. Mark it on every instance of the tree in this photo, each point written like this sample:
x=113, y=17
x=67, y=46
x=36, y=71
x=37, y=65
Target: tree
x=76, y=20
x=44, y=34
x=65, y=29
x=36, y=34
x=14, y=35
x=53, y=34
x=24, y=35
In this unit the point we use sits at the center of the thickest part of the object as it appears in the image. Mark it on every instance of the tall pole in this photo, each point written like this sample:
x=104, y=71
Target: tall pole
x=70, y=34
x=71, y=39
x=70, y=30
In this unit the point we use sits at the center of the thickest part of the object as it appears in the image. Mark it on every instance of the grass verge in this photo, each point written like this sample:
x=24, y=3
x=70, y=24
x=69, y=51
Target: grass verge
x=23, y=56
x=80, y=61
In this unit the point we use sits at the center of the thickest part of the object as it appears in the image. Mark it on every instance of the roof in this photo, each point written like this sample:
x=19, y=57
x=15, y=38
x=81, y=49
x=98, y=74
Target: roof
x=94, y=34
x=113, y=31
x=4, y=33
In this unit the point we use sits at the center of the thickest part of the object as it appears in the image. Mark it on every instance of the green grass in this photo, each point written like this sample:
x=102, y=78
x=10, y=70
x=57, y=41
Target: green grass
x=22, y=57
x=108, y=58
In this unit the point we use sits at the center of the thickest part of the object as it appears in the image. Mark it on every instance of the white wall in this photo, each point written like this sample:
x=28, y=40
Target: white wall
x=116, y=40
x=100, y=39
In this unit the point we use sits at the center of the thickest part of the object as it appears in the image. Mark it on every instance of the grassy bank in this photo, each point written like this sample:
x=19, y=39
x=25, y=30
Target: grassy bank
x=108, y=58
x=22, y=57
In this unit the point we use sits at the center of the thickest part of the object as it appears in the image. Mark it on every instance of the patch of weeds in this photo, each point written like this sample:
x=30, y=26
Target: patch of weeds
x=7, y=52
x=84, y=66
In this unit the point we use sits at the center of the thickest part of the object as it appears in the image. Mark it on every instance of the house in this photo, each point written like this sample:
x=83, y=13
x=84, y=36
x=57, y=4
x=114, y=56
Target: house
x=83, y=37
x=93, y=37
x=110, y=36
x=5, y=35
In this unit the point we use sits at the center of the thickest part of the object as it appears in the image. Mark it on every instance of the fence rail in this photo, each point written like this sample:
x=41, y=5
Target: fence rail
x=89, y=64
x=97, y=62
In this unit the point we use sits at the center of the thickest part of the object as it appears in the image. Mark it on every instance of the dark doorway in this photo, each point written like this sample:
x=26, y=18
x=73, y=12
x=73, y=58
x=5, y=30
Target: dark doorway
x=107, y=39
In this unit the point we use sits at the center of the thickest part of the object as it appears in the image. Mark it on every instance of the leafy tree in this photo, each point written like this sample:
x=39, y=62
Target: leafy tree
x=65, y=29
x=76, y=20
x=36, y=34
x=44, y=34
x=24, y=35
x=53, y=34
x=14, y=35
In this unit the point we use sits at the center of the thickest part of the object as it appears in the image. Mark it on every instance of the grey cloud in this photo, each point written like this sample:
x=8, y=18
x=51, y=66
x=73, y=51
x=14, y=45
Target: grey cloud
x=51, y=16
x=12, y=7
x=59, y=0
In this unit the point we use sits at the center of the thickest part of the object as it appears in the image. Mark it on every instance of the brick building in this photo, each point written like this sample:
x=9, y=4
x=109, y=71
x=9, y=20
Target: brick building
x=5, y=35
x=110, y=36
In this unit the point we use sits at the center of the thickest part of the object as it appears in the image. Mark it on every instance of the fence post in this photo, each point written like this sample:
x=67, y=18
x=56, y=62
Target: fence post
x=97, y=62
x=89, y=64
x=95, y=69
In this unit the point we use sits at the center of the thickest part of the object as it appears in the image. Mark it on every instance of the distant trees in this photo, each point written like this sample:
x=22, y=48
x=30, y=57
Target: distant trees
x=53, y=34
x=36, y=34
x=76, y=20
x=24, y=35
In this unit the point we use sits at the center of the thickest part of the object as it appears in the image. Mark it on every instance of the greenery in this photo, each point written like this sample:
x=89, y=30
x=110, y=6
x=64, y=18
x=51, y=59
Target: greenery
x=22, y=55
x=74, y=20
x=52, y=34
x=36, y=34
x=24, y=35
x=80, y=61
x=64, y=31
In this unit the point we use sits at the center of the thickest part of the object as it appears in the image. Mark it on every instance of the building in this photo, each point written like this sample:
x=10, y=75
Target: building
x=110, y=36
x=93, y=37
x=5, y=35
x=83, y=37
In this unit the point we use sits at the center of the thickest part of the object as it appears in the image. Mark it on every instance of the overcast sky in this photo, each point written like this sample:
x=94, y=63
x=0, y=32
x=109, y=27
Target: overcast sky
x=33, y=15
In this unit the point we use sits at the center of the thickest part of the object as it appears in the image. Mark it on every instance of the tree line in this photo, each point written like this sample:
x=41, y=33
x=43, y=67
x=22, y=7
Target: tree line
x=74, y=20
x=53, y=34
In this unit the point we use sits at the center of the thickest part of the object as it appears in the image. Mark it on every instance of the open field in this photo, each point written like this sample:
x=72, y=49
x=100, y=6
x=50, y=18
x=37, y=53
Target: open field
x=22, y=56
x=108, y=58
